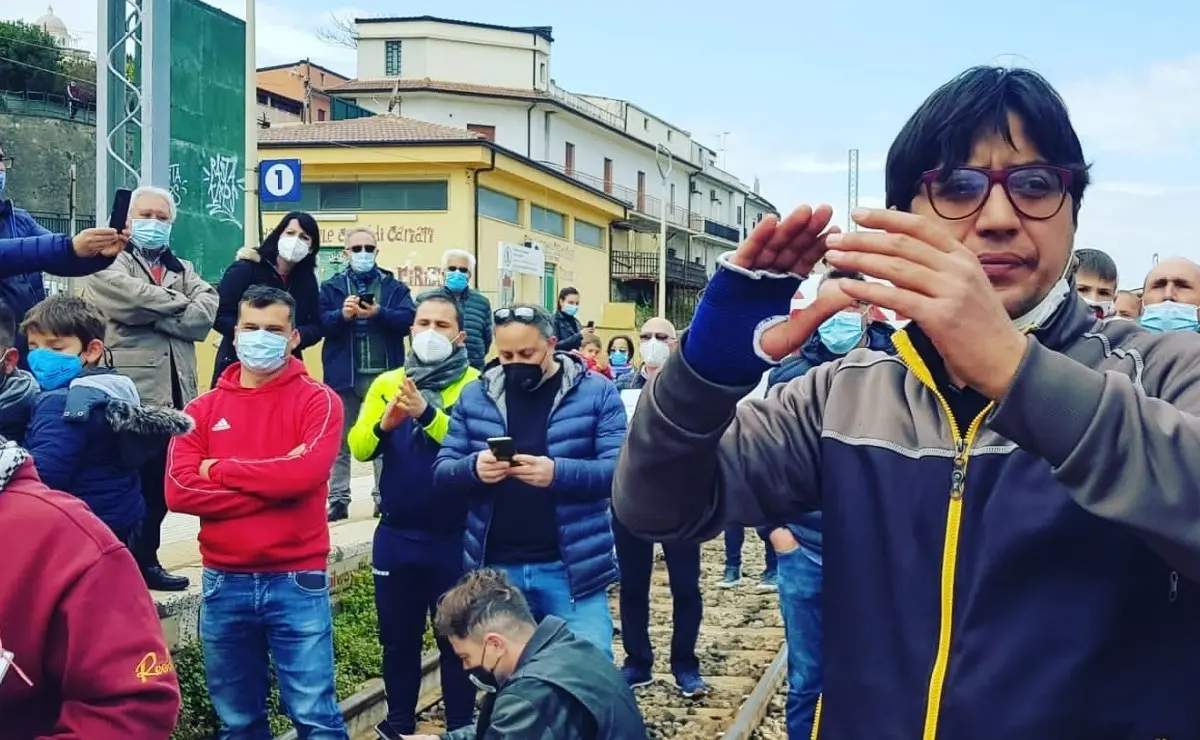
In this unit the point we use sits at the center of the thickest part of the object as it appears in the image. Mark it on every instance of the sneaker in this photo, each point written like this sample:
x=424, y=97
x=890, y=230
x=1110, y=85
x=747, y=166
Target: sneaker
x=690, y=683
x=338, y=511
x=769, y=583
x=733, y=576
x=636, y=677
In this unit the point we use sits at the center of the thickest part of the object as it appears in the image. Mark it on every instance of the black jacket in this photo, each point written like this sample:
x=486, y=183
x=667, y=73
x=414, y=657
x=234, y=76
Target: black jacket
x=249, y=269
x=563, y=689
x=569, y=332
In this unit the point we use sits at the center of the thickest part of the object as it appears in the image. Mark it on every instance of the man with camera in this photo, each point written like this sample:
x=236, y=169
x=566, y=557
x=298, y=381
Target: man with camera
x=366, y=313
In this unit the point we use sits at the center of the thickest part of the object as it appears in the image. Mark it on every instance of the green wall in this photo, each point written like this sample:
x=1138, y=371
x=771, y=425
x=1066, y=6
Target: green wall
x=207, y=134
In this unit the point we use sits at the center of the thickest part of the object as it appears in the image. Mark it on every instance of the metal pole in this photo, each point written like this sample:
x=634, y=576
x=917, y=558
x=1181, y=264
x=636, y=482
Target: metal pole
x=251, y=174
x=72, y=216
x=665, y=164
x=156, y=93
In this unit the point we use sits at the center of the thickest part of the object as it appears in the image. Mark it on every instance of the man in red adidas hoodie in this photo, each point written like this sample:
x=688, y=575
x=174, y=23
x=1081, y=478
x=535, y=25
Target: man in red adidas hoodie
x=256, y=473
x=81, y=648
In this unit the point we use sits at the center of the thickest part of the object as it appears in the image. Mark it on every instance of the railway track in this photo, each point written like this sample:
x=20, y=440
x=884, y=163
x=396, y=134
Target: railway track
x=741, y=657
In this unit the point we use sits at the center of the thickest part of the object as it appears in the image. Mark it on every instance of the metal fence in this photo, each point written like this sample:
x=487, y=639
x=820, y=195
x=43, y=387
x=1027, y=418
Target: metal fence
x=59, y=223
x=46, y=105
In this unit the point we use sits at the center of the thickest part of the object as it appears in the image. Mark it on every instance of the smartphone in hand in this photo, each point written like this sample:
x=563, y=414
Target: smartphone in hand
x=385, y=731
x=502, y=447
x=118, y=218
x=367, y=299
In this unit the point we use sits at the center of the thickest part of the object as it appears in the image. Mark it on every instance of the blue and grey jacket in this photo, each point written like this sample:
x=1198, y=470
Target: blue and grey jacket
x=587, y=424
x=1026, y=573
x=90, y=439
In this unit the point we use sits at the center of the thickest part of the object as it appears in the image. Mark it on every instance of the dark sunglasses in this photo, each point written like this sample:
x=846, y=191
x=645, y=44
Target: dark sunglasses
x=455, y=268
x=368, y=248
x=646, y=337
x=1036, y=191
x=524, y=314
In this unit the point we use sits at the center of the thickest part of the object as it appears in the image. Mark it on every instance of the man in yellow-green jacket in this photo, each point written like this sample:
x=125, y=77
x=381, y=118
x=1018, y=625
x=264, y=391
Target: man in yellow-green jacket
x=418, y=549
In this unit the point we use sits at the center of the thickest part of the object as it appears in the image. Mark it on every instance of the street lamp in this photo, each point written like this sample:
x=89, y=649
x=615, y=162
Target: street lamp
x=662, y=157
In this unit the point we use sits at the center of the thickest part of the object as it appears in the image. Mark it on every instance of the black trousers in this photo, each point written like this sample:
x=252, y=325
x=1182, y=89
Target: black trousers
x=146, y=544
x=636, y=559
x=407, y=590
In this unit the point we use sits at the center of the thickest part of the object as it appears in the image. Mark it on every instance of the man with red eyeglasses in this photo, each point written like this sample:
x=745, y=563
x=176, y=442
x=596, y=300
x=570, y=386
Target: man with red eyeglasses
x=366, y=314
x=1011, y=535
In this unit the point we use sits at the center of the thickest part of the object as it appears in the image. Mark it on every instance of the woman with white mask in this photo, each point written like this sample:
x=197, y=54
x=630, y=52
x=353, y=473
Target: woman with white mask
x=287, y=260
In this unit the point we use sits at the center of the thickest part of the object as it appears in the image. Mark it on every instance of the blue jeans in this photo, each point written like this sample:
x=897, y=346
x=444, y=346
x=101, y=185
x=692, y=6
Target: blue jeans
x=249, y=620
x=548, y=592
x=735, y=536
x=800, y=603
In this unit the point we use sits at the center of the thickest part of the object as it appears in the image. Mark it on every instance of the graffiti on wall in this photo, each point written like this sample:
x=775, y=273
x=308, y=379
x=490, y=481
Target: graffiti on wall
x=421, y=276
x=393, y=234
x=177, y=184
x=223, y=188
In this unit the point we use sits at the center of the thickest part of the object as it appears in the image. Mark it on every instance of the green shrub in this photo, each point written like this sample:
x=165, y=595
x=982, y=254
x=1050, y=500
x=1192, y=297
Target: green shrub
x=357, y=654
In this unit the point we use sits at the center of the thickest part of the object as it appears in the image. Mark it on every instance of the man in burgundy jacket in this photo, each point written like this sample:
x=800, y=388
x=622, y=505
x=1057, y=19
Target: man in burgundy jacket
x=81, y=647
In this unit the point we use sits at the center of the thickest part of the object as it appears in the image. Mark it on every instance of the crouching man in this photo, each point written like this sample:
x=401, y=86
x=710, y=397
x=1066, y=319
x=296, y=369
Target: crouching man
x=542, y=682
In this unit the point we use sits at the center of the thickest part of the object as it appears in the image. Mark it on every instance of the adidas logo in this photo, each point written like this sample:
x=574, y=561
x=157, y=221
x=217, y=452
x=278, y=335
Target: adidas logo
x=221, y=426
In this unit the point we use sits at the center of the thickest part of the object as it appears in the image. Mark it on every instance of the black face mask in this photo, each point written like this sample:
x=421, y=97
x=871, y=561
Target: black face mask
x=483, y=678
x=522, y=376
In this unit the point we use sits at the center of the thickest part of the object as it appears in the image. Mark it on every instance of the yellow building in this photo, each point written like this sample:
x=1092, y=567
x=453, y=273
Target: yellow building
x=425, y=188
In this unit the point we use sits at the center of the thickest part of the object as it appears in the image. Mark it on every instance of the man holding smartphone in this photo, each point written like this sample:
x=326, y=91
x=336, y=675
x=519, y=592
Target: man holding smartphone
x=27, y=250
x=366, y=313
x=543, y=519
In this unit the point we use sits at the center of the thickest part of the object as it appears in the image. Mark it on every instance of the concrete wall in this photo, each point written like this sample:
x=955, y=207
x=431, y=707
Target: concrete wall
x=43, y=150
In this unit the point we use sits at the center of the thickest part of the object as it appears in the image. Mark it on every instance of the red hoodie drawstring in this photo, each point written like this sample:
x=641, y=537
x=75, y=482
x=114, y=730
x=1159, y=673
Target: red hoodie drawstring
x=7, y=657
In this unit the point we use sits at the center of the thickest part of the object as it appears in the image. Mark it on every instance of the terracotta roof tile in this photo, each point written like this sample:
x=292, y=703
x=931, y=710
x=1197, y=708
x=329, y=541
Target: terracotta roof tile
x=383, y=129
x=386, y=85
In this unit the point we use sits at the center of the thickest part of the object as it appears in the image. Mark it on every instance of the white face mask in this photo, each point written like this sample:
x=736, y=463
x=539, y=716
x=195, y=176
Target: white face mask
x=431, y=347
x=1043, y=311
x=292, y=249
x=655, y=352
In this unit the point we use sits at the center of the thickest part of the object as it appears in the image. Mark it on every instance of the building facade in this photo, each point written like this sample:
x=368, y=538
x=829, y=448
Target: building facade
x=301, y=81
x=425, y=188
x=497, y=81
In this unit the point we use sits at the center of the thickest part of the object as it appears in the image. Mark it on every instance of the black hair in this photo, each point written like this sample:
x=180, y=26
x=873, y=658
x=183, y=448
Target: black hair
x=8, y=326
x=261, y=296
x=1096, y=262
x=483, y=598
x=945, y=128
x=835, y=274
x=444, y=296
x=65, y=316
x=269, y=249
x=566, y=293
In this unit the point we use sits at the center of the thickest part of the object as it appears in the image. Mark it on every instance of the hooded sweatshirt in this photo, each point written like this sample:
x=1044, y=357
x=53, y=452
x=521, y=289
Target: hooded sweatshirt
x=84, y=631
x=262, y=508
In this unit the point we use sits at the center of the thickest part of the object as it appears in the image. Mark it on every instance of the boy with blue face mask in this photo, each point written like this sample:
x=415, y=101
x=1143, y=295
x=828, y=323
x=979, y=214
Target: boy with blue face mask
x=89, y=433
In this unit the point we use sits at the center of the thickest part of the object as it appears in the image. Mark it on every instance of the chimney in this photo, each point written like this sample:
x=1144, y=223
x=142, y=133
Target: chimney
x=756, y=186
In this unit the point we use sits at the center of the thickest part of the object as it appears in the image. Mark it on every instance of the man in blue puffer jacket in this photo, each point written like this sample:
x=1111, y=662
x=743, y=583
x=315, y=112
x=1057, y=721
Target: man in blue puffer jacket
x=27, y=250
x=544, y=517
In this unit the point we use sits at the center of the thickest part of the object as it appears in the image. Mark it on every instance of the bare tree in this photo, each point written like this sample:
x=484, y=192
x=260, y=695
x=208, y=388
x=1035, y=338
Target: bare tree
x=341, y=31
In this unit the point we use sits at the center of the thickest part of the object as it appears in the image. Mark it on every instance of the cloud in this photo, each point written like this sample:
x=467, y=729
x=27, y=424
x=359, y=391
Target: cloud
x=1152, y=110
x=813, y=164
x=1142, y=189
x=282, y=35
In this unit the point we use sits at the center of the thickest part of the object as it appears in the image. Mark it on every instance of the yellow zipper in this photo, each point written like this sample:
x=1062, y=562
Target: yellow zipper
x=958, y=483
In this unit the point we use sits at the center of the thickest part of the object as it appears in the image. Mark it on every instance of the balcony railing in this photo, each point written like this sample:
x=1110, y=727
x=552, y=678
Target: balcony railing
x=725, y=231
x=644, y=266
x=640, y=202
x=586, y=107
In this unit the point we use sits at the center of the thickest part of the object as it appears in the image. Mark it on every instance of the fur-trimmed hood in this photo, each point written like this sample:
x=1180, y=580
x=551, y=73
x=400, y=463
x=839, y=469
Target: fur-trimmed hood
x=147, y=421
x=250, y=254
x=123, y=409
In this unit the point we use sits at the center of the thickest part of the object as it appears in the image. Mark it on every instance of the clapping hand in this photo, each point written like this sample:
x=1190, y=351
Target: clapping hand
x=411, y=400
x=794, y=245
x=938, y=283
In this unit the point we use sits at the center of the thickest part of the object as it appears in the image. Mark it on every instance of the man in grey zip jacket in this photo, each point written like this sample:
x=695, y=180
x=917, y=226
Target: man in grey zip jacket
x=1009, y=502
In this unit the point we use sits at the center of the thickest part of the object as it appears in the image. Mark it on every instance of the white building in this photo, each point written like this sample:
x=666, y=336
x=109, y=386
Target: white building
x=497, y=80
